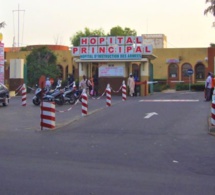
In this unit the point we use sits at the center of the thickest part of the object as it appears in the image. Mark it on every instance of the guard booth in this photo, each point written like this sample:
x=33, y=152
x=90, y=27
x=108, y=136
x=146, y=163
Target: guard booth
x=112, y=59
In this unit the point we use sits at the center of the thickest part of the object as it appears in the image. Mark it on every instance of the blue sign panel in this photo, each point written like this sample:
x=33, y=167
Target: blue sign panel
x=119, y=56
x=190, y=71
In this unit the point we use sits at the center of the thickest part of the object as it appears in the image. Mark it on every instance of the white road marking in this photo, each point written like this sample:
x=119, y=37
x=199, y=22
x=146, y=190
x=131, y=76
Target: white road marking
x=169, y=100
x=150, y=114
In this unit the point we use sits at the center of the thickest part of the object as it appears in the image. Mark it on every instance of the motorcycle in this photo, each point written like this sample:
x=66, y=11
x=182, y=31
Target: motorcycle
x=37, y=97
x=55, y=95
x=68, y=94
x=71, y=95
x=77, y=95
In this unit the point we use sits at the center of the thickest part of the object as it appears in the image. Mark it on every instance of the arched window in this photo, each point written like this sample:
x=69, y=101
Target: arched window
x=173, y=71
x=200, y=71
x=184, y=69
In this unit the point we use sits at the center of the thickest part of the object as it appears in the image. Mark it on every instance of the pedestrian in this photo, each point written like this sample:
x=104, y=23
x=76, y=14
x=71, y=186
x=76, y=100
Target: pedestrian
x=212, y=84
x=85, y=84
x=131, y=84
x=208, y=86
x=48, y=84
x=96, y=85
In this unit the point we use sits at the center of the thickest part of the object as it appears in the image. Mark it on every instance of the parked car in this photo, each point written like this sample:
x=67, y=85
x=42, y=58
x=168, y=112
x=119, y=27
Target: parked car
x=4, y=95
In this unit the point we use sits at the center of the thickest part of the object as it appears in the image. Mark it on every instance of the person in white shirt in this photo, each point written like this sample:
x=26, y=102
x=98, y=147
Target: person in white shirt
x=208, y=86
x=131, y=84
x=85, y=83
x=48, y=84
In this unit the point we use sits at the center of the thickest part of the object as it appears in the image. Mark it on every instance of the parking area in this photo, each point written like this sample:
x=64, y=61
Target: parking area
x=16, y=117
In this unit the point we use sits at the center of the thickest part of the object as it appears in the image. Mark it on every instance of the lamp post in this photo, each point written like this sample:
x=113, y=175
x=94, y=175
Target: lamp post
x=18, y=10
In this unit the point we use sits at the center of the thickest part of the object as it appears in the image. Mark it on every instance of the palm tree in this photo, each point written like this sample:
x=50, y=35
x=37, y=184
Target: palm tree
x=2, y=24
x=211, y=8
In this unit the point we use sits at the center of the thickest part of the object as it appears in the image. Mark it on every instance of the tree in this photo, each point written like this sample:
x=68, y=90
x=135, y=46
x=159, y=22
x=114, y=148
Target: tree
x=75, y=39
x=115, y=31
x=2, y=24
x=211, y=8
x=41, y=61
x=119, y=31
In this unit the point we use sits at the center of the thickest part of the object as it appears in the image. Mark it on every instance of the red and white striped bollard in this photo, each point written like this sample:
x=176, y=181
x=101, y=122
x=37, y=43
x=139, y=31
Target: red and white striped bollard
x=47, y=115
x=84, y=100
x=108, y=96
x=124, y=91
x=23, y=95
x=213, y=113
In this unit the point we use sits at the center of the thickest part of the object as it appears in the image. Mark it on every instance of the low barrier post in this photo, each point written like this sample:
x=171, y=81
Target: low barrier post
x=124, y=92
x=84, y=100
x=23, y=95
x=47, y=115
x=213, y=113
x=108, y=96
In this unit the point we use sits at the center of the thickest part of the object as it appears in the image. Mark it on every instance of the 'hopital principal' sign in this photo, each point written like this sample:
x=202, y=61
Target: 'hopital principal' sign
x=114, y=47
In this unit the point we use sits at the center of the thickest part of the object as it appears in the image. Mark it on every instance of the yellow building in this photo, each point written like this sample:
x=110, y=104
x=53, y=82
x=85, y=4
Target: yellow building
x=168, y=65
x=172, y=64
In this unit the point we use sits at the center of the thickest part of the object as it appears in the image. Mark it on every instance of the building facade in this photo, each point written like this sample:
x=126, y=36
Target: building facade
x=169, y=65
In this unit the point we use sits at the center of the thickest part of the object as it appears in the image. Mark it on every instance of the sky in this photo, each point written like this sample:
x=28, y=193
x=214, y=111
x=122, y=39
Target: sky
x=55, y=22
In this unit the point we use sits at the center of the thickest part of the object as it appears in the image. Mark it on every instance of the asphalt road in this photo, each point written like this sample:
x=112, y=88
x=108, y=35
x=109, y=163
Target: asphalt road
x=157, y=144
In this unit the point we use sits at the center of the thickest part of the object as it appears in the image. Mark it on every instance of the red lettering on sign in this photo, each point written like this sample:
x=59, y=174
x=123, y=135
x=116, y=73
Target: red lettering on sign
x=129, y=40
x=111, y=40
x=128, y=49
x=120, y=40
x=75, y=50
x=120, y=49
x=138, y=49
x=93, y=50
x=139, y=40
x=111, y=49
x=84, y=41
x=84, y=50
x=147, y=50
x=102, y=50
x=101, y=40
x=93, y=41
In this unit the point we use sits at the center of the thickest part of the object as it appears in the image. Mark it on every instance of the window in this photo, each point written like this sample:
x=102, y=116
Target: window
x=184, y=69
x=173, y=70
x=200, y=71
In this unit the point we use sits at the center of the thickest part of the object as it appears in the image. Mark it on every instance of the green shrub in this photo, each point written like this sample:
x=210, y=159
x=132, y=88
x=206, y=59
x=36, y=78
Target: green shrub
x=198, y=87
x=160, y=87
x=181, y=86
x=193, y=87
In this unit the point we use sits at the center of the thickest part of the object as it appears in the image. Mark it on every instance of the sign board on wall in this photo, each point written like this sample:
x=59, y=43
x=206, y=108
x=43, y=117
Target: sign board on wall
x=111, y=71
x=119, y=46
x=16, y=69
x=1, y=62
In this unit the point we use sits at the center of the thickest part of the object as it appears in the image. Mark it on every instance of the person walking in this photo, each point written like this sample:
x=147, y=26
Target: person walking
x=96, y=85
x=208, y=87
x=131, y=84
x=85, y=84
